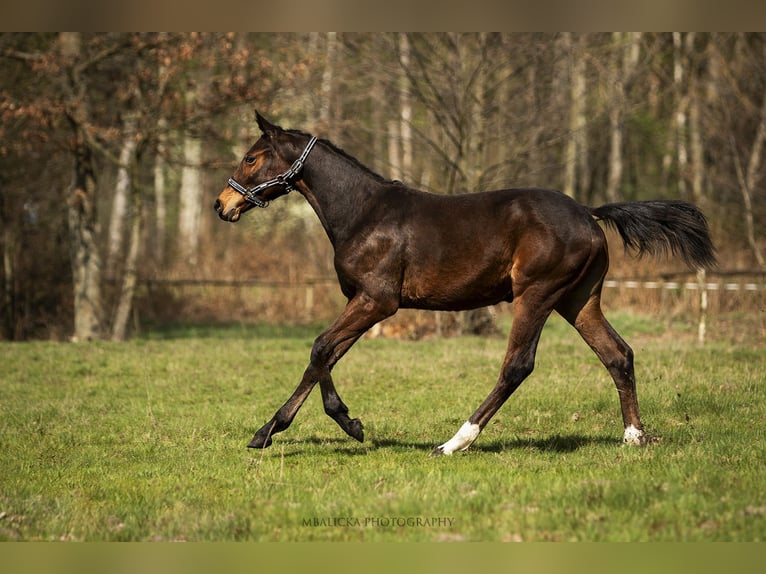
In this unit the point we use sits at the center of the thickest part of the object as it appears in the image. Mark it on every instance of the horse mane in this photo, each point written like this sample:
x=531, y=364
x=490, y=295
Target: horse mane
x=344, y=155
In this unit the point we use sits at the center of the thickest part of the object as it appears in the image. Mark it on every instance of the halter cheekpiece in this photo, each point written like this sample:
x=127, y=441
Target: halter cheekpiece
x=285, y=179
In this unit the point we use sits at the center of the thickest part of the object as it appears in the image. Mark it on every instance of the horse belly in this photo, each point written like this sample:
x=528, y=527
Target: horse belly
x=456, y=284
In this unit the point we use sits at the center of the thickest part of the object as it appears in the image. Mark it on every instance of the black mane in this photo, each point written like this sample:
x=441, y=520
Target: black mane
x=343, y=154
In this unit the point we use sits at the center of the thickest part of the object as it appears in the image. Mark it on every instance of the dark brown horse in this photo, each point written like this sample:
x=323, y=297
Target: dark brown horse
x=396, y=247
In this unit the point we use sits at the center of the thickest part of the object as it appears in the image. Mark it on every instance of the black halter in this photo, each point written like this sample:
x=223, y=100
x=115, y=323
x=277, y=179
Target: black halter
x=285, y=179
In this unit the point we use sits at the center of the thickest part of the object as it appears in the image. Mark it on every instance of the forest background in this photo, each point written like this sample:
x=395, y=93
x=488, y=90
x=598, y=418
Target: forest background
x=113, y=147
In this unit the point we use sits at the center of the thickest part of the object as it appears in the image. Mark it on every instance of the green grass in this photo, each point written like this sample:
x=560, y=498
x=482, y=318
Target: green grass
x=146, y=441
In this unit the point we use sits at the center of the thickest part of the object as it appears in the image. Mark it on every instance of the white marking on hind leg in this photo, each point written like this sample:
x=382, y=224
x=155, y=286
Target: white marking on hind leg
x=462, y=439
x=633, y=436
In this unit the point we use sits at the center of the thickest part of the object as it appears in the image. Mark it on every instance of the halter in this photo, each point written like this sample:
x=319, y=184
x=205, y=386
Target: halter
x=285, y=179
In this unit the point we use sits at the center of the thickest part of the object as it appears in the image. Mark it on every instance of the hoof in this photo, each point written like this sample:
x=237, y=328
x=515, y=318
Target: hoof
x=437, y=451
x=259, y=442
x=634, y=436
x=356, y=429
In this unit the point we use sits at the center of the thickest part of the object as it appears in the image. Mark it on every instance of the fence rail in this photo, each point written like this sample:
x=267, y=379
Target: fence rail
x=750, y=282
x=702, y=284
x=689, y=285
x=664, y=281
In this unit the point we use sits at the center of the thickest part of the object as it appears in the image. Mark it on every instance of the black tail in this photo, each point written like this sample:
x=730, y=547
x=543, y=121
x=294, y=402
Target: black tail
x=656, y=227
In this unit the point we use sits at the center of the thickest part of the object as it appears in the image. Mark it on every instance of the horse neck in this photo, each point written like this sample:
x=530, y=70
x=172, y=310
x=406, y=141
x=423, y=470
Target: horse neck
x=338, y=190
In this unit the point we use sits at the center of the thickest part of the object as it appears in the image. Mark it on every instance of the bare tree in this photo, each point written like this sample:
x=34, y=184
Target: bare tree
x=405, y=106
x=190, y=205
x=326, y=91
x=121, y=194
x=130, y=273
x=81, y=203
x=742, y=121
x=576, y=155
x=682, y=101
x=9, y=272
x=749, y=177
x=160, y=192
x=619, y=71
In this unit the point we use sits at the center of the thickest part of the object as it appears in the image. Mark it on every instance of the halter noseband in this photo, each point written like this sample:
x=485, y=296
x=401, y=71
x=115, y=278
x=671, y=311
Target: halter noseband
x=285, y=179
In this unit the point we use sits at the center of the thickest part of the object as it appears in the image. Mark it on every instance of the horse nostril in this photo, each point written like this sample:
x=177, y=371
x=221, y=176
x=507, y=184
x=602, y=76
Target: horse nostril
x=217, y=205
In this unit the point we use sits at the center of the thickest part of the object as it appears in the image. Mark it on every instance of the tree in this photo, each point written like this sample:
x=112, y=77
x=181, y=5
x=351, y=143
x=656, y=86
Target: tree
x=83, y=84
x=576, y=157
x=121, y=193
x=749, y=173
x=620, y=69
x=81, y=201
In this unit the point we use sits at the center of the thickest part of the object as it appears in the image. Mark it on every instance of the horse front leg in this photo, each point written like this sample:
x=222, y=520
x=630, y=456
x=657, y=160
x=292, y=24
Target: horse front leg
x=286, y=413
x=361, y=313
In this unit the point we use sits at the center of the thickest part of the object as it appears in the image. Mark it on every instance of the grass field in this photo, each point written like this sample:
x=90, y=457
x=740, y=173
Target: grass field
x=146, y=441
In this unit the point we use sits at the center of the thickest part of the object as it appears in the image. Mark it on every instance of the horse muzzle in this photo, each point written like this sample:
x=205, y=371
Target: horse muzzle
x=231, y=215
x=230, y=205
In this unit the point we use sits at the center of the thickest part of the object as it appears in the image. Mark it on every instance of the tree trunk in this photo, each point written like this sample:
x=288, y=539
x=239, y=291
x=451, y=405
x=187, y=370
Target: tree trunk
x=479, y=321
x=405, y=121
x=476, y=129
x=576, y=155
x=121, y=193
x=326, y=90
x=85, y=258
x=160, y=195
x=190, y=209
x=394, y=150
x=394, y=127
x=9, y=306
x=695, y=129
x=752, y=179
x=81, y=205
x=617, y=90
x=682, y=153
x=130, y=273
x=620, y=68
x=749, y=179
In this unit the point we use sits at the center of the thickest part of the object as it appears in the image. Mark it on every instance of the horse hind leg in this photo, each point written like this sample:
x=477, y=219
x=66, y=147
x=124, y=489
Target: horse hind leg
x=336, y=409
x=528, y=322
x=616, y=355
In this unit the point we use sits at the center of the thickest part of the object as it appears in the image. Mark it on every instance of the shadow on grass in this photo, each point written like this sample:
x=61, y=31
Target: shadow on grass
x=341, y=445
x=555, y=443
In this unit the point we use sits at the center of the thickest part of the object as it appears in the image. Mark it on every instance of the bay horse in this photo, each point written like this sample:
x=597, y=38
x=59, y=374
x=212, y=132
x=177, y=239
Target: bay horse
x=397, y=247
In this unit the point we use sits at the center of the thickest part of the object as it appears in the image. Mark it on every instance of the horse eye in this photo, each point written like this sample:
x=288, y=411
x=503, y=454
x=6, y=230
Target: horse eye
x=250, y=160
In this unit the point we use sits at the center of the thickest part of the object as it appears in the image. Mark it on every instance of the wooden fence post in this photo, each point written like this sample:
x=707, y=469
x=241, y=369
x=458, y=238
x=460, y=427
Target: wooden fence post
x=702, y=325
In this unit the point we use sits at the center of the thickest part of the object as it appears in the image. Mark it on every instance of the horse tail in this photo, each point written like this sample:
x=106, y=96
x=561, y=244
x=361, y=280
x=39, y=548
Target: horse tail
x=656, y=227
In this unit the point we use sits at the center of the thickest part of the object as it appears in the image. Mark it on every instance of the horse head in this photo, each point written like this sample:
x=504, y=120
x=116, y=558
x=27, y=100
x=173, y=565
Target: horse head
x=266, y=172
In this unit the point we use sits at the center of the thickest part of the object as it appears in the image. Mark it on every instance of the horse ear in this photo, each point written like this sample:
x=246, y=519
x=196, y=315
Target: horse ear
x=266, y=127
